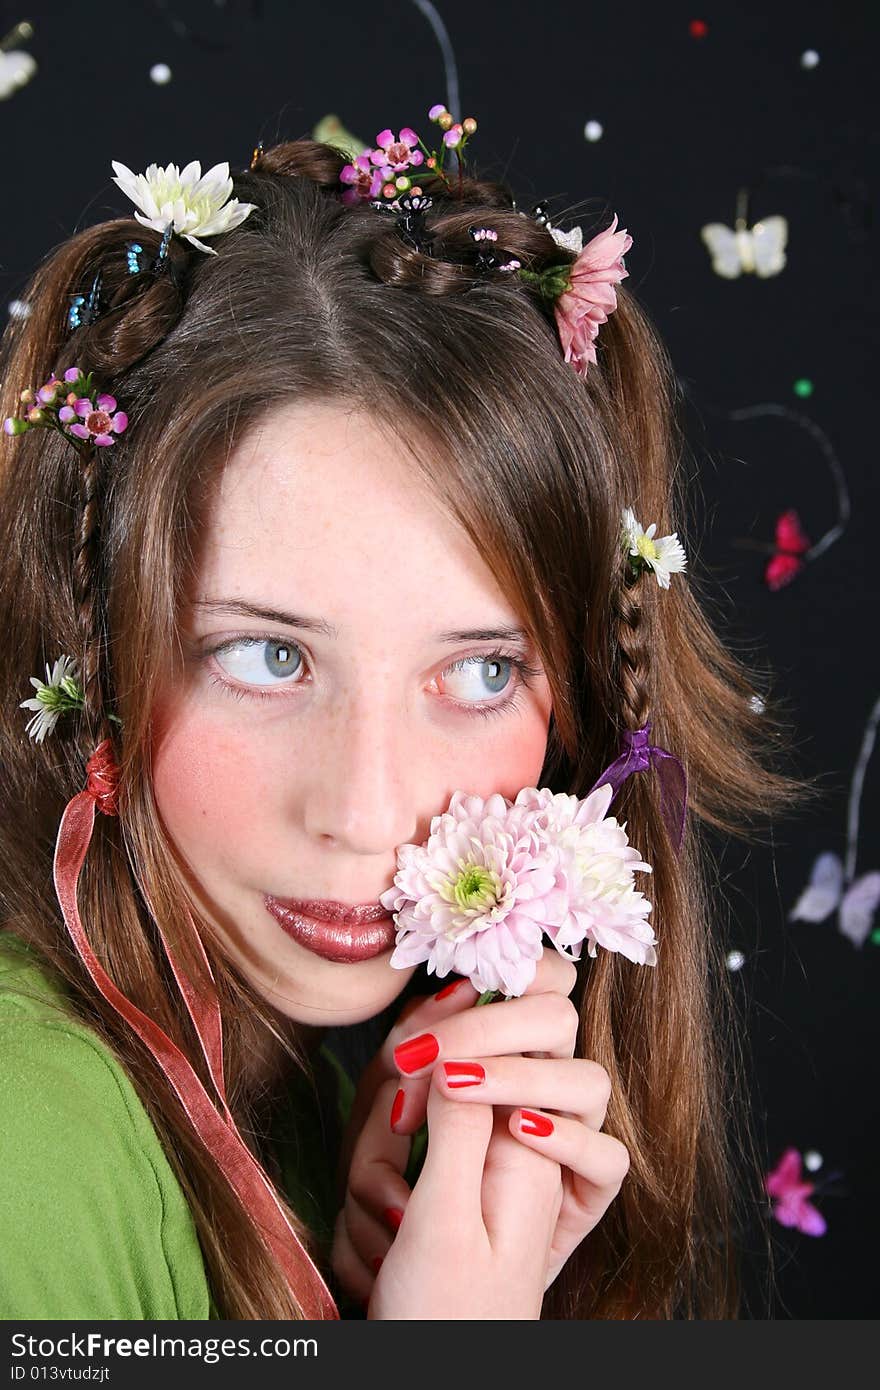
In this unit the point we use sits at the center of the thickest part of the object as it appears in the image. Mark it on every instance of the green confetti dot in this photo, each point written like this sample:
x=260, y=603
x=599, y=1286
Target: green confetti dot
x=875, y=937
x=803, y=387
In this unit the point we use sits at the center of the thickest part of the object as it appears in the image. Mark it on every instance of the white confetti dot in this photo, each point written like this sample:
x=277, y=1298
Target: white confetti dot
x=160, y=73
x=757, y=704
x=812, y=1160
x=19, y=309
x=735, y=960
x=593, y=131
x=810, y=59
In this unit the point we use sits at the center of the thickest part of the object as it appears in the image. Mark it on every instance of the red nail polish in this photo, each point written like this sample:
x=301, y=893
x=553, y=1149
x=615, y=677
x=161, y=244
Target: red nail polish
x=535, y=1124
x=450, y=989
x=397, y=1108
x=394, y=1216
x=464, y=1073
x=376, y=1262
x=416, y=1053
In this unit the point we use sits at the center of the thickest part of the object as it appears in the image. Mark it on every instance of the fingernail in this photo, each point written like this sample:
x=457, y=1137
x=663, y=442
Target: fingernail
x=530, y=1123
x=464, y=1073
x=416, y=1052
x=397, y=1108
x=394, y=1216
x=450, y=989
x=376, y=1262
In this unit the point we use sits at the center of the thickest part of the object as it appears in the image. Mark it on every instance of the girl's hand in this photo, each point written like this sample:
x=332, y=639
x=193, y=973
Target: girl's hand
x=497, y=1210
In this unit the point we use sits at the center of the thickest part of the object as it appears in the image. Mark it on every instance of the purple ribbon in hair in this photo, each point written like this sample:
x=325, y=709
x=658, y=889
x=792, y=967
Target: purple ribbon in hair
x=637, y=756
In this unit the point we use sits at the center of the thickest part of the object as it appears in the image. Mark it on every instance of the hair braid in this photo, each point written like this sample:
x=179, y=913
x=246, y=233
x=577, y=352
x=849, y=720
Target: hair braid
x=88, y=599
x=633, y=645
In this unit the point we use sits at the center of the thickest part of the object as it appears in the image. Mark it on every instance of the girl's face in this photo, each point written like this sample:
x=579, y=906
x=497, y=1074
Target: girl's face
x=296, y=752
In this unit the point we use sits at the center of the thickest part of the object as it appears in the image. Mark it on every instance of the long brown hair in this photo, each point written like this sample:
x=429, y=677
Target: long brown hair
x=309, y=298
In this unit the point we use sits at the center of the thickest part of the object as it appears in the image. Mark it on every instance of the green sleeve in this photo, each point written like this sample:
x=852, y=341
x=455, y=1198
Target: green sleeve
x=93, y=1223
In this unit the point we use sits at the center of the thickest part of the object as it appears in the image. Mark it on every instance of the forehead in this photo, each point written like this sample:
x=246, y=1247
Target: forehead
x=322, y=508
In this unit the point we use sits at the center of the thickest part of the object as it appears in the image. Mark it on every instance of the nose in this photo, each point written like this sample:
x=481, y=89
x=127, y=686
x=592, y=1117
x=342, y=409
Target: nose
x=364, y=791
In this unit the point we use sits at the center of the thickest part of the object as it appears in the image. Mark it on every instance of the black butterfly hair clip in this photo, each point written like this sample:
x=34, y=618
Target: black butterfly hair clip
x=484, y=239
x=85, y=309
x=410, y=212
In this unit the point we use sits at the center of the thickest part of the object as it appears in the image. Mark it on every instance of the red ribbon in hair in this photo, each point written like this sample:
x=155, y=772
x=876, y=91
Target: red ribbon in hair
x=217, y=1132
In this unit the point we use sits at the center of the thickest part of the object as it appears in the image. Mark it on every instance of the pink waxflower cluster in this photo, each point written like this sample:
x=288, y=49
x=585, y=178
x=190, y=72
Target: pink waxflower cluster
x=384, y=170
x=495, y=877
x=73, y=407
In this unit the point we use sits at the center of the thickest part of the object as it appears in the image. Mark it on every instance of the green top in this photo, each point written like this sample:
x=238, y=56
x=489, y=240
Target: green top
x=93, y=1222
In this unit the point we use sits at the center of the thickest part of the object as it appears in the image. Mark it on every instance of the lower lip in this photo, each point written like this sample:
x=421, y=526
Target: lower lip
x=333, y=940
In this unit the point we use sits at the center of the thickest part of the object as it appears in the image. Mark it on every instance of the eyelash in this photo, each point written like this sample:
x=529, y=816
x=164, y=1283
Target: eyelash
x=526, y=674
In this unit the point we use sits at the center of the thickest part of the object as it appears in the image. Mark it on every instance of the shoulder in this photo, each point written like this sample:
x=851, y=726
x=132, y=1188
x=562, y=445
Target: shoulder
x=93, y=1222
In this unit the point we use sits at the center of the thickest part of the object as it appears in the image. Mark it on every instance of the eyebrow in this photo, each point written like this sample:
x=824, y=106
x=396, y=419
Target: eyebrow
x=325, y=629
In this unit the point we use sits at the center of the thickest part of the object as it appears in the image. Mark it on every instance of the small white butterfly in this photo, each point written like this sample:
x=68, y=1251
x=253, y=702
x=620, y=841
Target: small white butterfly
x=825, y=892
x=759, y=250
x=16, y=70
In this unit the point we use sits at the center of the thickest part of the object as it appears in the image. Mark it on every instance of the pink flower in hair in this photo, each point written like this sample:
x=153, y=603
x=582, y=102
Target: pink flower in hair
x=395, y=156
x=96, y=422
x=365, y=181
x=590, y=296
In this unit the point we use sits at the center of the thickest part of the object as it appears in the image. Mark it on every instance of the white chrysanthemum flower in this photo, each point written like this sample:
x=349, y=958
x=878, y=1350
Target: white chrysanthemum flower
x=60, y=692
x=665, y=555
x=476, y=898
x=597, y=863
x=195, y=205
x=569, y=241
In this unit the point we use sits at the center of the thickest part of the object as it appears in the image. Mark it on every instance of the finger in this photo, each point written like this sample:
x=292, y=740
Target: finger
x=451, y=1177
x=408, y=1109
x=574, y=1086
x=593, y=1166
x=353, y=1275
x=545, y=1022
x=375, y=1175
x=522, y=1195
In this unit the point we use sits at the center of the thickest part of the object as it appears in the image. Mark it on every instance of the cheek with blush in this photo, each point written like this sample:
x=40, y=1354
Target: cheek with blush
x=207, y=786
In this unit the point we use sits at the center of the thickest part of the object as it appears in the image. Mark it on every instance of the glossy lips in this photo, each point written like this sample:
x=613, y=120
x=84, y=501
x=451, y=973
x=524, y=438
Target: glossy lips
x=340, y=934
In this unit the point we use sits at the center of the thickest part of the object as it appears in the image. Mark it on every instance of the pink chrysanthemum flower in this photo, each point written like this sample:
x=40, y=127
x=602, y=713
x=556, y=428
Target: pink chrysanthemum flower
x=477, y=897
x=364, y=180
x=494, y=876
x=590, y=297
x=95, y=422
x=596, y=863
x=396, y=156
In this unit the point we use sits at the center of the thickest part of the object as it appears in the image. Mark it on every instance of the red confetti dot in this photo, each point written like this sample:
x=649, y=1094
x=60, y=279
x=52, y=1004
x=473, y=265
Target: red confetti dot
x=699, y=28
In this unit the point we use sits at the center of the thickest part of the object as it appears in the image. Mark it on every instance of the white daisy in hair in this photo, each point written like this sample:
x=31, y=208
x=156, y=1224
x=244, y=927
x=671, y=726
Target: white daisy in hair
x=194, y=204
x=665, y=555
x=57, y=694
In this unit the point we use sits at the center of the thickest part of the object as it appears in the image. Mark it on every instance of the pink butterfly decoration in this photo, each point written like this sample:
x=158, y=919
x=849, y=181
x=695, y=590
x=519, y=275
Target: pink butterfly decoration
x=825, y=892
x=791, y=1207
x=792, y=543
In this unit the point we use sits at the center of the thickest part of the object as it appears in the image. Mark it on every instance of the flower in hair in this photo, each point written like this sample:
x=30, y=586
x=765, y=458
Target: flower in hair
x=363, y=178
x=194, y=205
x=96, y=422
x=583, y=291
x=494, y=877
x=56, y=695
x=395, y=156
x=384, y=170
x=665, y=555
x=72, y=406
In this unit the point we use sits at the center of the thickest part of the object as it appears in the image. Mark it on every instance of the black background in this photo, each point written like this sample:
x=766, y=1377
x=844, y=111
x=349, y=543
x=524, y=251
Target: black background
x=689, y=119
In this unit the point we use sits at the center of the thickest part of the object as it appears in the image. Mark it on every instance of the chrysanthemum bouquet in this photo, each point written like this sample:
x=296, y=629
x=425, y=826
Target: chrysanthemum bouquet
x=494, y=878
